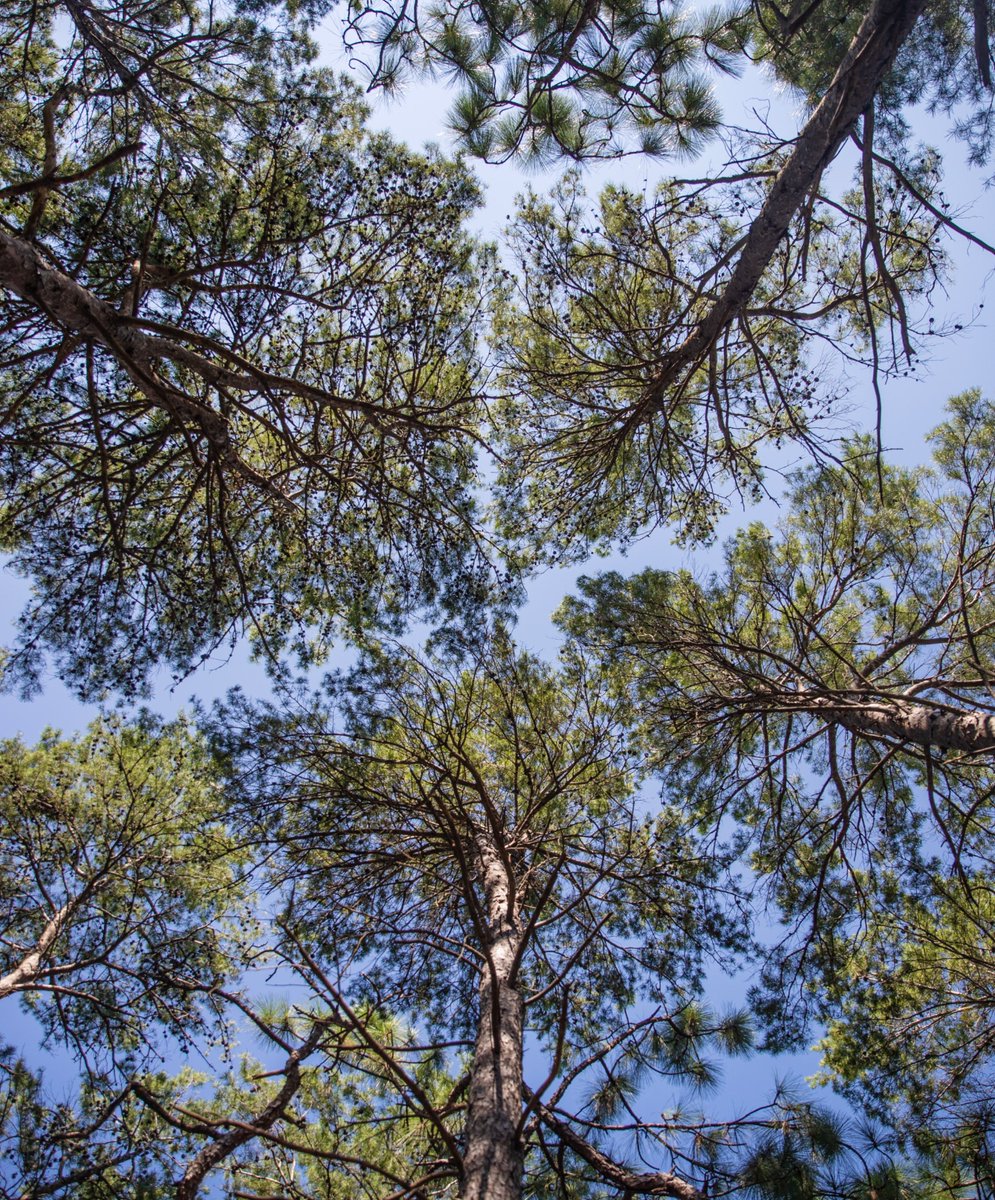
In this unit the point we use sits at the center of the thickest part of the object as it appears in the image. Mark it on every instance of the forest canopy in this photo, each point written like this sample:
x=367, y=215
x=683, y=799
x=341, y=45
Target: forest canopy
x=428, y=913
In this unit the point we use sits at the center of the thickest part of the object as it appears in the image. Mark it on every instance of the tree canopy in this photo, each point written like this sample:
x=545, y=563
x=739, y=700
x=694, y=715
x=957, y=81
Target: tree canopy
x=239, y=344
x=486, y=952
x=831, y=689
x=452, y=919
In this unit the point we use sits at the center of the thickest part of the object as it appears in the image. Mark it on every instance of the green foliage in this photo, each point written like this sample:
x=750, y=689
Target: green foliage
x=305, y=409
x=829, y=691
x=344, y=1133
x=909, y=1012
x=575, y=80
x=561, y=78
x=619, y=909
x=607, y=295
x=244, y=389
x=120, y=887
x=374, y=841
x=95, y=1146
x=871, y=593
x=389, y=821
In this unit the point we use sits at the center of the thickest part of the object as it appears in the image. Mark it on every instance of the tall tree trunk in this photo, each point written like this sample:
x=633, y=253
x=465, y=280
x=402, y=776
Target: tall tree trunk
x=493, y=1159
x=870, y=55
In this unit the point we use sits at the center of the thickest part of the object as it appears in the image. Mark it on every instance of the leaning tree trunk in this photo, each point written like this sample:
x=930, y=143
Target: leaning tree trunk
x=493, y=1158
x=868, y=59
x=28, y=970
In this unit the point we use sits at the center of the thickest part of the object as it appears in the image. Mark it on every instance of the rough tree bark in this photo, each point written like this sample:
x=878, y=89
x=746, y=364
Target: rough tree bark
x=493, y=1158
x=880, y=36
x=922, y=724
x=76, y=310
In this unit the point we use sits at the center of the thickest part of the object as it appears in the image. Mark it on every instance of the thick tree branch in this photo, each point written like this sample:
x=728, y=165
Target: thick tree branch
x=40, y=198
x=217, y=1151
x=28, y=969
x=65, y=1182
x=492, y=1160
x=922, y=724
x=982, y=54
x=656, y=1183
x=26, y=273
x=72, y=307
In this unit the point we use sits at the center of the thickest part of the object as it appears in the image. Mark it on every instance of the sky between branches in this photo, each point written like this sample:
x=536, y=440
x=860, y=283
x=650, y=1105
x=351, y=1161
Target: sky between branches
x=910, y=406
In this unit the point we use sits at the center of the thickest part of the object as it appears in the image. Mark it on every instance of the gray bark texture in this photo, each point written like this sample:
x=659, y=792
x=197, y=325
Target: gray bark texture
x=75, y=309
x=150, y=358
x=922, y=724
x=871, y=53
x=493, y=1158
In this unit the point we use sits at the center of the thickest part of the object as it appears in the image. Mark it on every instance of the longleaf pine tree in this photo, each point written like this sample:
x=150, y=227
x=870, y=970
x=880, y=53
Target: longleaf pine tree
x=452, y=920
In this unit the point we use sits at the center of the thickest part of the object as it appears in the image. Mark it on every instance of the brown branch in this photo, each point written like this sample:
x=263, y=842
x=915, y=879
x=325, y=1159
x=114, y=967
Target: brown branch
x=921, y=198
x=49, y=181
x=26, y=273
x=40, y=198
x=982, y=55
x=81, y=1175
x=554, y=1070
x=414, y=1095
x=218, y=1150
x=70, y=306
x=656, y=1183
x=872, y=234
